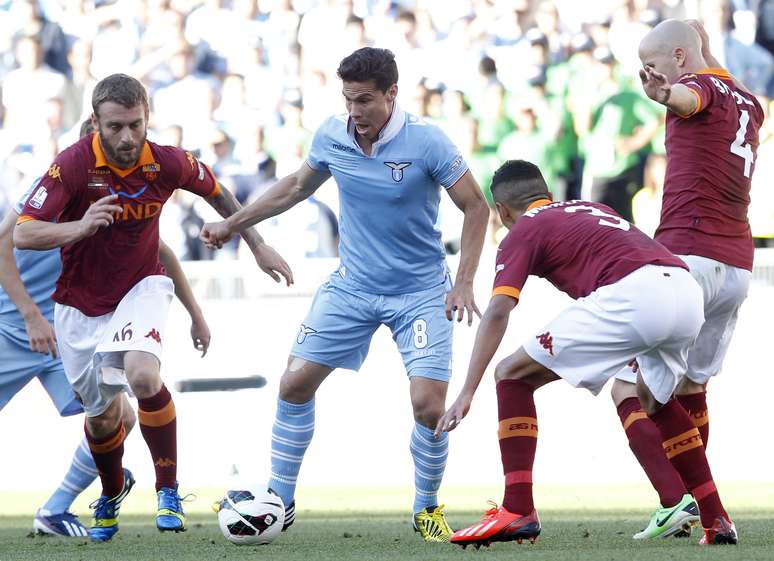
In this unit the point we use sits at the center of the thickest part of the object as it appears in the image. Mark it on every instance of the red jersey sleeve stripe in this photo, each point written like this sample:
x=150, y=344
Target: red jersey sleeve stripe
x=507, y=291
x=23, y=218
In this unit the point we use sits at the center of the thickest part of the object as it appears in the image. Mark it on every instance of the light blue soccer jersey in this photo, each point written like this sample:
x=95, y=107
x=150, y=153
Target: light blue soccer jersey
x=39, y=271
x=389, y=201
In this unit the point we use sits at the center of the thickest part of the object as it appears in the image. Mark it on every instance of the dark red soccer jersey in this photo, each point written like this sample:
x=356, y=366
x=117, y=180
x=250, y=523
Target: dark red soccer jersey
x=577, y=246
x=99, y=270
x=710, y=160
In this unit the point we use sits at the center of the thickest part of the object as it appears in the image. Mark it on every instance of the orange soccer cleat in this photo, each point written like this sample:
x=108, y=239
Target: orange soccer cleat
x=722, y=532
x=499, y=525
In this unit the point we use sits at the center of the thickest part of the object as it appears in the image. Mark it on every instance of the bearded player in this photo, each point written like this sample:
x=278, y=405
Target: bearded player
x=100, y=201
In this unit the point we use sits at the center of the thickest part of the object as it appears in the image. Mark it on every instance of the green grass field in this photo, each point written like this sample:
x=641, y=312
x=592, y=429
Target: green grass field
x=590, y=523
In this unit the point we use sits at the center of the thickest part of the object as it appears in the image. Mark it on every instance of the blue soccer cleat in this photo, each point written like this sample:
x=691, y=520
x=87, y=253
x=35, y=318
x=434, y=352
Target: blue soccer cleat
x=105, y=524
x=170, y=516
x=64, y=524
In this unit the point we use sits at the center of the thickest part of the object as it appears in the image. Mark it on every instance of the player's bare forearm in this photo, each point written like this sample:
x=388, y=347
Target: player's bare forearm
x=283, y=195
x=10, y=279
x=488, y=337
x=182, y=288
x=227, y=206
x=467, y=195
x=38, y=234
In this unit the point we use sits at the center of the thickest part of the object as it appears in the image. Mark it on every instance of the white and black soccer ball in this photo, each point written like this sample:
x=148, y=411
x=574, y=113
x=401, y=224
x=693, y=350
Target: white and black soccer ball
x=251, y=517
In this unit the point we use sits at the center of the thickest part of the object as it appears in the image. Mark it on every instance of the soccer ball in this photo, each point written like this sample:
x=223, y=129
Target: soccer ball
x=250, y=517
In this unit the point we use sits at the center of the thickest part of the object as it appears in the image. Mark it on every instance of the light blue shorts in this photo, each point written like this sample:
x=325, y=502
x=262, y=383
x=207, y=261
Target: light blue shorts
x=19, y=365
x=337, y=330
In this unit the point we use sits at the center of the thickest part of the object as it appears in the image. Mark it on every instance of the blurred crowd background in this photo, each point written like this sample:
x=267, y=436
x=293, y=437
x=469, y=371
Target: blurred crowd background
x=244, y=84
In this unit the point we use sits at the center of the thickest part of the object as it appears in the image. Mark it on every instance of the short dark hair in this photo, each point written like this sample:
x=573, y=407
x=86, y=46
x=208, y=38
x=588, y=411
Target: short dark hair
x=368, y=64
x=121, y=89
x=518, y=183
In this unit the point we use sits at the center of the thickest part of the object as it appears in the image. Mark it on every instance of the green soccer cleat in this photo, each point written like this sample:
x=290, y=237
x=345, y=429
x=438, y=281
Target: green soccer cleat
x=431, y=524
x=671, y=521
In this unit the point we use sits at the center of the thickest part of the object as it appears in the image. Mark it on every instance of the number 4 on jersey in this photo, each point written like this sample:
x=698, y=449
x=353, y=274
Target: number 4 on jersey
x=739, y=147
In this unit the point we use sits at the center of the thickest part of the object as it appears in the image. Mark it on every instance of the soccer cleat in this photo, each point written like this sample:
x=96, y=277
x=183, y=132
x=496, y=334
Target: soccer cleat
x=170, y=516
x=431, y=524
x=290, y=516
x=64, y=524
x=671, y=521
x=499, y=525
x=290, y=512
x=722, y=532
x=105, y=523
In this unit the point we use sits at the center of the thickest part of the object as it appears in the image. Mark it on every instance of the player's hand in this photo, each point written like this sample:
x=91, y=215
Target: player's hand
x=655, y=84
x=451, y=419
x=215, y=234
x=272, y=263
x=705, y=40
x=459, y=300
x=41, y=335
x=200, y=335
x=100, y=214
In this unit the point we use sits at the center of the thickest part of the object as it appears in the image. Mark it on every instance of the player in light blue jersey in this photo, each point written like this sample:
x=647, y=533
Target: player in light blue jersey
x=390, y=168
x=28, y=350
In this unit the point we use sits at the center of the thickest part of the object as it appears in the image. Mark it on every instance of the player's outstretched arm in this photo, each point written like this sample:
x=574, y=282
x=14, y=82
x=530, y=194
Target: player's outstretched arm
x=39, y=332
x=39, y=234
x=284, y=194
x=488, y=337
x=678, y=98
x=467, y=195
x=200, y=331
x=214, y=236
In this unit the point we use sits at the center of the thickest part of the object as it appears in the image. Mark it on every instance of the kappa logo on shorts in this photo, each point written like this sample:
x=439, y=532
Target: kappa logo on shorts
x=547, y=342
x=155, y=335
x=397, y=169
x=303, y=332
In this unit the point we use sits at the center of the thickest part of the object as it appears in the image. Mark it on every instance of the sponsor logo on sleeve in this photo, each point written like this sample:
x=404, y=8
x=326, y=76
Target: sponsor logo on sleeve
x=55, y=172
x=397, y=169
x=37, y=200
x=499, y=268
x=456, y=163
x=201, y=171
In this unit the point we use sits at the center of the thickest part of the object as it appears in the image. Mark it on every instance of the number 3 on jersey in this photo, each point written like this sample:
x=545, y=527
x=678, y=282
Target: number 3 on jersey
x=605, y=219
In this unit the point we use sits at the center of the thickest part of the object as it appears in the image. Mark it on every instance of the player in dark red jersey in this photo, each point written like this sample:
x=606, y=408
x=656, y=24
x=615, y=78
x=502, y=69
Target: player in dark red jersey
x=100, y=201
x=711, y=143
x=633, y=299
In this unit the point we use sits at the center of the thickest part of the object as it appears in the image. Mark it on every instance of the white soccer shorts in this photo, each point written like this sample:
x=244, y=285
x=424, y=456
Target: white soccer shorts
x=653, y=314
x=724, y=289
x=92, y=348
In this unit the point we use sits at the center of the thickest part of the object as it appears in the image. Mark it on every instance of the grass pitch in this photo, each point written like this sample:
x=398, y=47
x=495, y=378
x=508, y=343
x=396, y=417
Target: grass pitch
x=594, y=527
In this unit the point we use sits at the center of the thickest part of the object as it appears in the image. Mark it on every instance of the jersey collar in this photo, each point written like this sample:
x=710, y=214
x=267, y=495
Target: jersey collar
x=539, y=203
x=720, y=72
x=146, y=157
x=388, y=132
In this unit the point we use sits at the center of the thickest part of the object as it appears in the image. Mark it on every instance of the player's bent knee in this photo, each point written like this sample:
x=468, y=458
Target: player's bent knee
x=622, y=390
x=509, y=369
x=293, y=390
